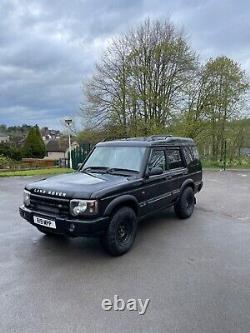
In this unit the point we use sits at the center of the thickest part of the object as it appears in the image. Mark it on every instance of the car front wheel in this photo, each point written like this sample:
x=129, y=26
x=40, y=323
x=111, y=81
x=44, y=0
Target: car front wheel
x=120, y=234
x=185, y=204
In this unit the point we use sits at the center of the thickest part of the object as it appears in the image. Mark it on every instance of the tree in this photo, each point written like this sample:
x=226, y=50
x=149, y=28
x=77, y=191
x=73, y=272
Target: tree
x=216, y=98
x=142, y=79
x=225, y=88
x=150, y=82
x=34, y=146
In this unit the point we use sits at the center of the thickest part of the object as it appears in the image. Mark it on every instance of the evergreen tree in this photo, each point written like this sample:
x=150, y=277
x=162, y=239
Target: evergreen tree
x=34, y=146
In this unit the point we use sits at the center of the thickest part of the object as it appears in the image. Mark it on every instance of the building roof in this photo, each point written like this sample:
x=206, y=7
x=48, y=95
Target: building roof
x=56, y=146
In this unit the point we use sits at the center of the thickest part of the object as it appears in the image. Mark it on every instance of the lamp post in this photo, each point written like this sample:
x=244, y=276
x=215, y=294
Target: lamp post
x=68, y=122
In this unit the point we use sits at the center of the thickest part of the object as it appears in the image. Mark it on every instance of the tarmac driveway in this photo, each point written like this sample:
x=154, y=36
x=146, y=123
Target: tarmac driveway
x=196, y=272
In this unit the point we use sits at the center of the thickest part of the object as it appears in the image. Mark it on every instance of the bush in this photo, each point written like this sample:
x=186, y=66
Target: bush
x=11, y=152
x=5, y=162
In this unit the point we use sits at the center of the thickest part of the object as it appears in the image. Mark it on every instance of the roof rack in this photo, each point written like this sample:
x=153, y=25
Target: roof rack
x=140, y=138
x=156, y=140
x=159, y=137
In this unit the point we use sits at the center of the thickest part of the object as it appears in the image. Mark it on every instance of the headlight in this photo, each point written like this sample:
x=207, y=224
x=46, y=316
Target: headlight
x=83, y=207
x=26, y=198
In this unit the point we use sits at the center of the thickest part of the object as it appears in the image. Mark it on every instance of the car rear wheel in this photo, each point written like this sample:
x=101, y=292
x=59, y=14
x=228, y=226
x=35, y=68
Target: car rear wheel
x=185, y=204
x=121, y=232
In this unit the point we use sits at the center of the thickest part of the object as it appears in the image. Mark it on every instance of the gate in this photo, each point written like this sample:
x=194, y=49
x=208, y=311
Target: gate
x=79, y=154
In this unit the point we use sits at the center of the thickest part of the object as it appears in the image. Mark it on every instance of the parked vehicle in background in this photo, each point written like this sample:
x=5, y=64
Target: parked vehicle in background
x=121, y=182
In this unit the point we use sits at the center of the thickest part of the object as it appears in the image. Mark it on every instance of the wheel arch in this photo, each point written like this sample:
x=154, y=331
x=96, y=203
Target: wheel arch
x=124, y=200
x=187, y=183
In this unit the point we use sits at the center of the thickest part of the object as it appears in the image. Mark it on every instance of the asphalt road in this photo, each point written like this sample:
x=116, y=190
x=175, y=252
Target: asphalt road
x=196, y=272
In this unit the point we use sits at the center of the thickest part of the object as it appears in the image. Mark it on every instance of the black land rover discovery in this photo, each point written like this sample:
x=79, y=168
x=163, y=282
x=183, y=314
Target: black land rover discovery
x=119, y=183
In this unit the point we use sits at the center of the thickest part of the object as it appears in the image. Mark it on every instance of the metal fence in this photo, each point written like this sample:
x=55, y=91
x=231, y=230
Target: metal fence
x=79, y=154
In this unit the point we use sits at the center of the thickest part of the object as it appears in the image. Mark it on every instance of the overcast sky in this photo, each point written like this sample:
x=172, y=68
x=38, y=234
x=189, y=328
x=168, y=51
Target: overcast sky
x=48, y=48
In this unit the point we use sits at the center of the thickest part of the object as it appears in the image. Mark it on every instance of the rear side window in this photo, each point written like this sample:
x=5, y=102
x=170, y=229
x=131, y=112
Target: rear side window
x=195, y=152
x=191, y=154
x=174, y=159
x=188, y=154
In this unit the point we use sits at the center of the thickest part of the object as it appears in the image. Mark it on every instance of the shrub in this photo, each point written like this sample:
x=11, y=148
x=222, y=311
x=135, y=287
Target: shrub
x=5, y=162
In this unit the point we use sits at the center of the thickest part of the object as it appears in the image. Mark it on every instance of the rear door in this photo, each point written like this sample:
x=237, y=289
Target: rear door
x=193, y=164
x=177, y=170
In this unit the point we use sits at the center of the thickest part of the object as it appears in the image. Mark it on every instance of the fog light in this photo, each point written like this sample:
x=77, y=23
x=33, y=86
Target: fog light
x=72, y=227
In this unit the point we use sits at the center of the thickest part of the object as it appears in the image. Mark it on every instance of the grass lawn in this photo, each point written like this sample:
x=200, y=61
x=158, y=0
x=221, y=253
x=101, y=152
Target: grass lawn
x=35, y=172
x=245, y=164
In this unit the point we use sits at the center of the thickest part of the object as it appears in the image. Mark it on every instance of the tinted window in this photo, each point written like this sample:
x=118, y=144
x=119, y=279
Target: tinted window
x=157, y=159
x=188, y=154
x=174, y=159
x=195, y=153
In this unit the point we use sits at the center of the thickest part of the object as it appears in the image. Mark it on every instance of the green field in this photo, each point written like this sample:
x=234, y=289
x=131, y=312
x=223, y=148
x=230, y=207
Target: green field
x=35, y=172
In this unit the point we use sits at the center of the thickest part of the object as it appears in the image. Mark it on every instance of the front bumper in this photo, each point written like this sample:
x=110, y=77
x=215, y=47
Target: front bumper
x=88, y=227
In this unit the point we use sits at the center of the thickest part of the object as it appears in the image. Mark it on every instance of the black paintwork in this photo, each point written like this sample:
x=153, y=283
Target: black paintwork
x=146, y=194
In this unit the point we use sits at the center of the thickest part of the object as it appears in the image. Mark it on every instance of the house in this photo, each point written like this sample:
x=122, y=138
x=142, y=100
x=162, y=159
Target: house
x=50, y=134
x=4, y=138
x=58, y=149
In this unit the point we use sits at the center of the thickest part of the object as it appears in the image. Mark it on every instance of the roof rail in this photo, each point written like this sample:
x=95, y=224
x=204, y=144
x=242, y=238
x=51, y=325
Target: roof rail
x=145, y=138
x=159, y=137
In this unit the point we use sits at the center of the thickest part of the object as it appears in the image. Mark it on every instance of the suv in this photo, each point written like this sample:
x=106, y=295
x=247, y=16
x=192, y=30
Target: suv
x=119, y=183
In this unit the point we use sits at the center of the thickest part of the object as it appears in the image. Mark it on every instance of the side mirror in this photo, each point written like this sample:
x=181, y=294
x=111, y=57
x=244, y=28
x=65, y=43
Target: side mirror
x=155, y=171
x=79, y=165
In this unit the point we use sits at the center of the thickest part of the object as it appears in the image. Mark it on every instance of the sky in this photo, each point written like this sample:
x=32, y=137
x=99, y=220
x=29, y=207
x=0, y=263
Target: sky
x=48, y=48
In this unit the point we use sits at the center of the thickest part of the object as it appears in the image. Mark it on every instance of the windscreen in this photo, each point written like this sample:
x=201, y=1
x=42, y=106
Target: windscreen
x=116, y=157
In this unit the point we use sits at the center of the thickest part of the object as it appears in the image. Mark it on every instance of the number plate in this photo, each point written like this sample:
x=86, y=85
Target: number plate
x=45, y=222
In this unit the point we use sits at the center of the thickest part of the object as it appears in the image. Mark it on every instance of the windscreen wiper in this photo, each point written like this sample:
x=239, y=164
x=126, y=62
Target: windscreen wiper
x=120, y=171
x=95, y=169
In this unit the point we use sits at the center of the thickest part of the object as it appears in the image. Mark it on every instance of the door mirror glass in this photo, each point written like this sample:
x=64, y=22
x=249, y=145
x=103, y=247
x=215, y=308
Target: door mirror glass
x=155, y=171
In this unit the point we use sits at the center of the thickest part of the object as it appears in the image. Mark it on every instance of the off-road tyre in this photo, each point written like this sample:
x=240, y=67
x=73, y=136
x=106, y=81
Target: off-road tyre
x=121, y=232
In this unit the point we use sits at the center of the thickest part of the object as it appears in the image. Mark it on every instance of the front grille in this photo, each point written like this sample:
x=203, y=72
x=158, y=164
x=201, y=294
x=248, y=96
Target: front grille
x=54, y=206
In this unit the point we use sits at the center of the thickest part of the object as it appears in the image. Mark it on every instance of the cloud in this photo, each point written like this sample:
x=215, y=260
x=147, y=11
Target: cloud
x=49, y=48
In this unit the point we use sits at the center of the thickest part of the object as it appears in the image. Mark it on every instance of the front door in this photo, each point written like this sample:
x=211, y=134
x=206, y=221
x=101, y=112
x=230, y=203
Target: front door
x=157, y=193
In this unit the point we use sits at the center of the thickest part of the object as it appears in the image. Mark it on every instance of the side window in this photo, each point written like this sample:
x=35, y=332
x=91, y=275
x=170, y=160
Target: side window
x=157, y=159
x=188, y=154
x=195, y=153
x=174, y=159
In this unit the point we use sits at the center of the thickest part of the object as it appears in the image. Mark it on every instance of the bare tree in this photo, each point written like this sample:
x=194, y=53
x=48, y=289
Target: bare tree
x=142, y=79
